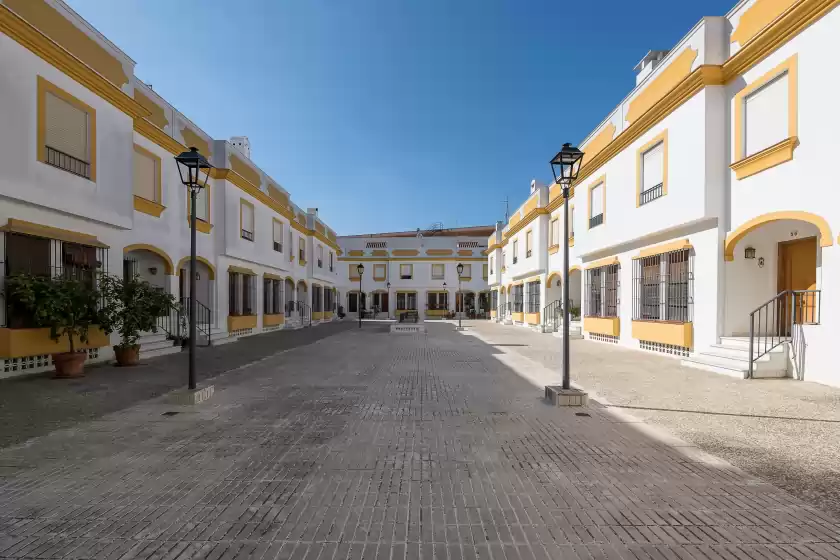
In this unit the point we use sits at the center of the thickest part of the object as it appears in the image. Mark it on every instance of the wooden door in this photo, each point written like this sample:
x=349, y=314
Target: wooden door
x=798, y=271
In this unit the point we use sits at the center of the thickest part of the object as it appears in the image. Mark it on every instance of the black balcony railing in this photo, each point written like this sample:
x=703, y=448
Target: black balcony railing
x=650, y=195
x=278, y=247
x=249, y=235
x=596, y=221
x=68, y=163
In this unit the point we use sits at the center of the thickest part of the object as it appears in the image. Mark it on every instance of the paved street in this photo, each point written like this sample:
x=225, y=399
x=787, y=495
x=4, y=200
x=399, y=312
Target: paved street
x=784, y=431
x=368, y=445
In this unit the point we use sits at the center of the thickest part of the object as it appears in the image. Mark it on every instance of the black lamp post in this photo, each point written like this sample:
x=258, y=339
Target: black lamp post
x=195, y=171
x=460, y=269
x=361, y=270
x=567, y=162
x=388, y=288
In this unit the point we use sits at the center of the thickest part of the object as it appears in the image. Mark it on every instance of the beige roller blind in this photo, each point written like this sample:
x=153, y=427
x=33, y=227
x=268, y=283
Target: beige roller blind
x=66, y=128
x=145, y=177
x=201, y=205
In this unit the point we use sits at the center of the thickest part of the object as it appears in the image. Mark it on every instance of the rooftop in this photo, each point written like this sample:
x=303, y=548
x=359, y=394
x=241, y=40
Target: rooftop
x=472, y=231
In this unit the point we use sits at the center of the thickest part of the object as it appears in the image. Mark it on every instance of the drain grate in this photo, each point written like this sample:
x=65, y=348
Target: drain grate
x=170, y=413
x=582, y=414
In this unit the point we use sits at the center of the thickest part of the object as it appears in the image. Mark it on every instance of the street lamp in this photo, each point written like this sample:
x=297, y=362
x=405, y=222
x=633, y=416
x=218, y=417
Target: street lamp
x=388, y=299
x=361, y=270
x=460, y=269
x=195, y=171
x=567, y=162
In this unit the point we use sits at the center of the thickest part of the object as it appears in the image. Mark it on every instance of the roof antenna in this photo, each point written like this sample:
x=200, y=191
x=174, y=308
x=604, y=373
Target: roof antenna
x=507, y=209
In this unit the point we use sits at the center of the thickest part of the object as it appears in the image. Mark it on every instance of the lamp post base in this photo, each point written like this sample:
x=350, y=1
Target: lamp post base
x=193, y=396
x=566, y=397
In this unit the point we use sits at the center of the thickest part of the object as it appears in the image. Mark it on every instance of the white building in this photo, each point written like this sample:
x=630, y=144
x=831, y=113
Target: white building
x=704, y=204
x=416, y=271
x=88, y=182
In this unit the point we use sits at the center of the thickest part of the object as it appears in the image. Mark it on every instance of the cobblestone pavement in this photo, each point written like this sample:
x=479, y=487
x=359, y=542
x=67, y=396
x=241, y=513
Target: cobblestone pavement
x=786, y=432
x=370, y=445
x=34, y=406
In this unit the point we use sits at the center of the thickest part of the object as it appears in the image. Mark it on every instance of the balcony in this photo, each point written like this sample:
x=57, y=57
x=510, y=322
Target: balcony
x=515, y=260
x=278, y=247
x=596, y=221
x=650, y=195
x=249, y=235
x=67, y=163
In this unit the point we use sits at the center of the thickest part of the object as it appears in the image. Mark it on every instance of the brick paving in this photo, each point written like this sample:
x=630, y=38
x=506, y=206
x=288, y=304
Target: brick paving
x=370, y=445
x=33, y=406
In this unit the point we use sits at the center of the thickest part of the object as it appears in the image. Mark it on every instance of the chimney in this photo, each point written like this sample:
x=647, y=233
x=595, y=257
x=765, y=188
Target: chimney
x=313, y=211
x=242, y=144
x=648, y=64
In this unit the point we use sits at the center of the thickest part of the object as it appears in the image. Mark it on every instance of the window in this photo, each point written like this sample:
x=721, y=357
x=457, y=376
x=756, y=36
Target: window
x=302, y=250
x=467, y=244
x=246, y=220
x=533, y=297
x=466, y=274
x=602, y=284
x=437, y=271
x=202, y=205
x=272, y=296
x=66, y=131
x=437, y=301
x=242, y=294
x=663, y=287
x=554, y=233
x=407, y=301
x=320, y=256
x=492, y=264
x=376, y=245
x=596, y=203
x=528, y=245
x=653, y=172
x=146, y=175
x=766, y=115
x=494, y=299
x=515, y=250
x=379, y=272
x=353, y=271
x=516, y=298
x=331, y=261
x=406, y=271
x=484, y=271
x=277, y=235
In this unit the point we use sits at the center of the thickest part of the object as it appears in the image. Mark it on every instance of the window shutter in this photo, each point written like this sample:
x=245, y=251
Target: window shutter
x=766, y=116
x=467, y=271
x=145, y=177
x=596, y=201
x=201, y=205
x=67, y=128
x=248, y=218
x=405, y=270
x=278, y=232
x=653, y=164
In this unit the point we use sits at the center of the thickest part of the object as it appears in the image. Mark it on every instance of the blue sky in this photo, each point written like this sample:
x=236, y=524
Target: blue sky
x=395, y=114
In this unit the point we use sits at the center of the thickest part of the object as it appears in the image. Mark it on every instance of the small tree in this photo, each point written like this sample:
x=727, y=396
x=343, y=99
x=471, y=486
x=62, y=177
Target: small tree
x=67, y=306
x=131, y=306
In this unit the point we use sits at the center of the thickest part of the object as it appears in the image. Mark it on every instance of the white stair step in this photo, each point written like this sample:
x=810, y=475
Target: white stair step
x=743, y=342
x=144, y=354
x=155, y=345
x=732, y=357
x=705, y=365
x=149, y=338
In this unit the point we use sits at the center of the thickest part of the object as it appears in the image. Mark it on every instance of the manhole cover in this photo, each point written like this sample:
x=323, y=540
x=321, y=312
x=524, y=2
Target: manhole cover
x=582, y=414
x=170, y=413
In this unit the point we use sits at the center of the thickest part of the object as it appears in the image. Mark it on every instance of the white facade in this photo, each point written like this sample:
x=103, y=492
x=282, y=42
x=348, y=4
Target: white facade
x=92, y=200
x=741, y=214
x=412, y=271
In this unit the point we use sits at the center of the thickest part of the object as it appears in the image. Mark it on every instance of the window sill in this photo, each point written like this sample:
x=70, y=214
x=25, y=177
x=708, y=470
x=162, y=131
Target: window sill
x=200, y=225
x=572, y=241
x=147, y=206
x=378, y=278
x=765, y=159
x=666, y=332
x=437, y=277
x=301, y=262
x=465, y=278
x=553, y=249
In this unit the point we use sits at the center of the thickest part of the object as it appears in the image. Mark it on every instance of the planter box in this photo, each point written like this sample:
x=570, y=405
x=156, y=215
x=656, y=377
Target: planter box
x=17, y=343
x=532, y=318
x=602, y=325
x=677, y=334
x=272, y=320
x=565, y=397
x=237, y=322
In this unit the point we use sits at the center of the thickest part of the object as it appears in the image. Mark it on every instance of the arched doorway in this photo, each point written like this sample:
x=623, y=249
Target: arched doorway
x=465, y=303
x=302, y=292
x=775, y=258
x=149, y=263
x=575, y=292
x=205, y=281
x=289, y=289
x=353, y=301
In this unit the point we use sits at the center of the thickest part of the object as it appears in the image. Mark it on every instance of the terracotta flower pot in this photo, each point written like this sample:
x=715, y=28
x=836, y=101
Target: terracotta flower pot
x=127, y=355
x=69, y=364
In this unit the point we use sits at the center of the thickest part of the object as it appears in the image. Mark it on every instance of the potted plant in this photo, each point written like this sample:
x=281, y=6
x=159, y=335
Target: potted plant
x=131, y=306
x=67, y=306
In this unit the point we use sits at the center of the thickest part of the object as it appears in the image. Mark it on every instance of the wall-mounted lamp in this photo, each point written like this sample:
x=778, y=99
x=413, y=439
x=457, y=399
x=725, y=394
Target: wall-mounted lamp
x=749, y=253
x=197, y=276
x=153, y=270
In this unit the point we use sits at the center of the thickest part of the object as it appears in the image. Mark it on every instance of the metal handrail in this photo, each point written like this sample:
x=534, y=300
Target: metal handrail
x=779, y=320
x=203, y=317
x=551, y=315
x=305, y=312
x=171, y=322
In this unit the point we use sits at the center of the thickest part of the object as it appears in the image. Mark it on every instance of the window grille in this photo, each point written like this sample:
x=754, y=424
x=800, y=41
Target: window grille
x=602, y=291
x=518, y=304
x=533, y=297
x=663, y=287
x=376, y=245
x=467, y=244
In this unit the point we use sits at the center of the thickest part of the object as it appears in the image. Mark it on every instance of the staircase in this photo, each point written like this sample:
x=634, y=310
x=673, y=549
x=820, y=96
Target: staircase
x=156, y=344
x=217, y=337
x=575, y=331
x=732, y=357
x=552, y=322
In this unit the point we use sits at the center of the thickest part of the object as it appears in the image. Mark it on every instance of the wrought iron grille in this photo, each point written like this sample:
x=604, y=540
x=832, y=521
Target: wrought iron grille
x=663, y=287
x=516, y=298
x=249, y=235
x=602, y=291
x=595, y=221
x=67, y=162
x=533, y=297
x=494, y=299
x=650, y=195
